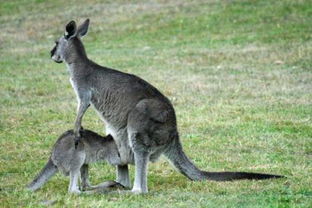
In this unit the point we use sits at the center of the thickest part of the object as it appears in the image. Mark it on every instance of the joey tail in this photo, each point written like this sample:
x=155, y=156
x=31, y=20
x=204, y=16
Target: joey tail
x=177, y=157
x=45, y=174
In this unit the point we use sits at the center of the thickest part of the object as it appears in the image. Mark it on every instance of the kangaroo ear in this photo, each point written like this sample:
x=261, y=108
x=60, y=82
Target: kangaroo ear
x=83, y=28
x=70, y=30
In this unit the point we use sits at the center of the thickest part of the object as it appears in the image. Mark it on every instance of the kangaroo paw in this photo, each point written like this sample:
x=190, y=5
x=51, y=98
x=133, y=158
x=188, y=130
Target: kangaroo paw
x=77, y=140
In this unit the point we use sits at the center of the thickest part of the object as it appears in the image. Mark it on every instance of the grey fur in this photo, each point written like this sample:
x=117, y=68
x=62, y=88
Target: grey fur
x=45, y=174
x=74, y=161
x=140, y=118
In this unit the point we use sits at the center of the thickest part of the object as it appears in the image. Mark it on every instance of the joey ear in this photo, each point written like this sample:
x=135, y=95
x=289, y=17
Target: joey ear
x=70, y=30
x=108, y=137
x=83, y=28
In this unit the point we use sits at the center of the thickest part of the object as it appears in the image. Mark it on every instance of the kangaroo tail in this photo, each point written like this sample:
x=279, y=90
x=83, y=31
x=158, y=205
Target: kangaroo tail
x=45, y=174
x=177, y=157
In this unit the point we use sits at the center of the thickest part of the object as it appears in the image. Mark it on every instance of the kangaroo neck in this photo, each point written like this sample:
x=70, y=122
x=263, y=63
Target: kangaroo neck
x=78, y=68
x=76, y=59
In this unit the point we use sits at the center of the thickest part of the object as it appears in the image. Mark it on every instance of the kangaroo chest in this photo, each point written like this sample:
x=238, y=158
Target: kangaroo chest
x=74, y=86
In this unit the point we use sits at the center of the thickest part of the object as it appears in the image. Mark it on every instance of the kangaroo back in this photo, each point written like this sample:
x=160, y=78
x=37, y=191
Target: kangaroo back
x=45, y=174
x=178, y=158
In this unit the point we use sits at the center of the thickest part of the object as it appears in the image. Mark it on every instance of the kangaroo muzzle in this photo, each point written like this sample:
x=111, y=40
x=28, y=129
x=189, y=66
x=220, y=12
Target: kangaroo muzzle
x=54, y=57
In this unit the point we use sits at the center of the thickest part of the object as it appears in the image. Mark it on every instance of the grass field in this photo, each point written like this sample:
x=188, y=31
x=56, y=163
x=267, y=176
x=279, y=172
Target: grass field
x=239, y=74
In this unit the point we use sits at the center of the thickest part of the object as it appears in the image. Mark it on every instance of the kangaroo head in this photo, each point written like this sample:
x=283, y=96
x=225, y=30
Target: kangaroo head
x=69, y=46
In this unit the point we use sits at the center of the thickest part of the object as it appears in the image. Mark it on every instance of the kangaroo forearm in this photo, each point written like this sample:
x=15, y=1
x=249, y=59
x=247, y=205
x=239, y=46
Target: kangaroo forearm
x=82, y=108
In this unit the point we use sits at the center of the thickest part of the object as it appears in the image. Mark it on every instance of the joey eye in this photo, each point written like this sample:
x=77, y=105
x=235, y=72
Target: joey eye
x=56, y=42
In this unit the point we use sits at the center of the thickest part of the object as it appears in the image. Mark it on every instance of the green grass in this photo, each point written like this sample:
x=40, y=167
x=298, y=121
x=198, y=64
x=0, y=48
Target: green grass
x=238, y=73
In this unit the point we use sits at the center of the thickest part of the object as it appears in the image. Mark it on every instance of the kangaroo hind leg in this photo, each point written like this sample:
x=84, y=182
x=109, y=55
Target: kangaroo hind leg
x=141, y=157
x=123, y=175
x=140, y=180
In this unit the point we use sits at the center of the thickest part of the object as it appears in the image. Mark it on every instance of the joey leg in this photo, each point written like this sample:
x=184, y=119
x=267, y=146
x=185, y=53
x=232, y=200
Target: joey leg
x=73, y=184
x=84, y=172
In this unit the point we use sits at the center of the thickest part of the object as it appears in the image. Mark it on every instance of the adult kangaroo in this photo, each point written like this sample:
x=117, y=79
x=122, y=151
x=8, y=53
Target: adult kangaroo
x=141, y=120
